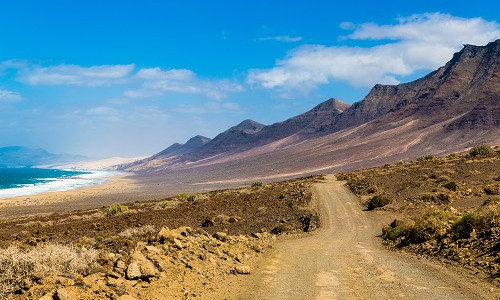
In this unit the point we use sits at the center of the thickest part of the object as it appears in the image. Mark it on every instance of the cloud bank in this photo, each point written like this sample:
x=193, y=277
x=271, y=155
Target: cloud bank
x=418, y=42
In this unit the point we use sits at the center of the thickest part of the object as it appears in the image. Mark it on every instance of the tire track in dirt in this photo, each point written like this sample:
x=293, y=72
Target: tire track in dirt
x=345, y=260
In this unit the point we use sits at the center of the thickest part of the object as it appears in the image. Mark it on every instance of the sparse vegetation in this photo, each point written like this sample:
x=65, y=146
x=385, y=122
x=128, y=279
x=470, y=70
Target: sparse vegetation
x=257, y=184
x=480, y=150
x=436, y=224
x=377, y=201
x=188, y=197
x=163, y=203
x=465, y=225
x=452, y=186
x=431, y=225
x=115, y=209
x=426, y=157
x=18, y=266
x=136, y=231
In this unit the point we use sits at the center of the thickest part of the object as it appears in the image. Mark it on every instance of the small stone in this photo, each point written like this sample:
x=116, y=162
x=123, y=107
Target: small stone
x=133, y=271
x=242, y=269
x=221, y=236
x=121, y=265
x=62, y=294
x=126, y=297
x=178, y=244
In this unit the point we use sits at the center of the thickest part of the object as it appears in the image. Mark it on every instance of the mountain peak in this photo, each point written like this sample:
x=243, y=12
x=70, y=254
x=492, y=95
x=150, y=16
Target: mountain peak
x=331, y=104
x=249, y=126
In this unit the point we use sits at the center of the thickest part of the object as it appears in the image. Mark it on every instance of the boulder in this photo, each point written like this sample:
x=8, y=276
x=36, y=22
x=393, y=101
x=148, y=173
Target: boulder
x=242, y=269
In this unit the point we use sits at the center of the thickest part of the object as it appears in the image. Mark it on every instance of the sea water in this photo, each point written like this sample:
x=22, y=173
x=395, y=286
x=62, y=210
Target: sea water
x=30, y=181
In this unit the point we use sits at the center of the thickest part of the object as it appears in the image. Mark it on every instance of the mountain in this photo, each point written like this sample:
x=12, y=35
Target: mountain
x=452, y=108
x=235, y=138
x=17, y=156
x=190, y=146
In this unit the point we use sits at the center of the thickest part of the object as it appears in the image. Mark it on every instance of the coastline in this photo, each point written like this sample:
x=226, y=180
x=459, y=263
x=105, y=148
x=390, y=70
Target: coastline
x=116, y=184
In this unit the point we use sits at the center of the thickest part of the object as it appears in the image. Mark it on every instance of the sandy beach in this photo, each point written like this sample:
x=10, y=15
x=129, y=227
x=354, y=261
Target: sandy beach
x=118, y=189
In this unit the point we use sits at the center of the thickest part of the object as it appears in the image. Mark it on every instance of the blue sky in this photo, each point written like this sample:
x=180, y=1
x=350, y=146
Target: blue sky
x=127, y=78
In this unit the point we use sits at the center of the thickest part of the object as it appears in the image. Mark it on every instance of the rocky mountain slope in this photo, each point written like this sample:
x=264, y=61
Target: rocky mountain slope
x=450, y=109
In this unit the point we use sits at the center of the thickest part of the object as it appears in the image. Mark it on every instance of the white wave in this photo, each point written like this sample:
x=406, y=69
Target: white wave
x=60, y=184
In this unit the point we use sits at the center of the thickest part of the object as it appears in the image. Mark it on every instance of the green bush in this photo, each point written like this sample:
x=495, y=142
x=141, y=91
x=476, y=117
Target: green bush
x=188, y=197
x=114, y=209
x=480, y=150
x=377, y=201
x=257, y=184
x=464, y=226
x=394, y=233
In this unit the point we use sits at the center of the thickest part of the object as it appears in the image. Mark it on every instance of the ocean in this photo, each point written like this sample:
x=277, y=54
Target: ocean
x=30, y=181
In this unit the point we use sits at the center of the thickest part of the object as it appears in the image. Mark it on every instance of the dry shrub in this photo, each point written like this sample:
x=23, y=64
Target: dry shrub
x=115, y=209
x=433, y=224
x=480, y=150
x=135, y=231
x=17, y=265
x=378, y=201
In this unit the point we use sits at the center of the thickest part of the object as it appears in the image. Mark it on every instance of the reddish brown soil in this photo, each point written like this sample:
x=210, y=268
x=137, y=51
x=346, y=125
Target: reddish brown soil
x=284, y=205
x=414, y=188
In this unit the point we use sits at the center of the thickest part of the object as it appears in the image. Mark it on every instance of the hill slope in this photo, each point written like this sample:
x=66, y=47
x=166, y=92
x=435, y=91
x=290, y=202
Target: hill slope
x=450, y=109
x=17, y=156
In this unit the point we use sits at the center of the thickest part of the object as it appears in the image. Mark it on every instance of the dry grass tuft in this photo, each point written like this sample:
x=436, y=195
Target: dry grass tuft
x=18, y=265
x=135, y=231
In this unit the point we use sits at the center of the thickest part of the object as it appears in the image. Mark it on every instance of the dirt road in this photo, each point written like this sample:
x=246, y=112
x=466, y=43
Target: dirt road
x=345, y=260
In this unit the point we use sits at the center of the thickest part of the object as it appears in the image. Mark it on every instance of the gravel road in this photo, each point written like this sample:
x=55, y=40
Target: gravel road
x=345, y=260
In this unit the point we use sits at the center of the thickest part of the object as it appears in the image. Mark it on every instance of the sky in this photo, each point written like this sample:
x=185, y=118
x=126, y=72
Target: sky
x=129, y=78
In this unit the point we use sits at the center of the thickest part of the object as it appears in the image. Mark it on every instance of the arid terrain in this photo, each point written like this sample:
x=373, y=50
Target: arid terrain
x=443, y=207
x=225, y=229
x=304, y=238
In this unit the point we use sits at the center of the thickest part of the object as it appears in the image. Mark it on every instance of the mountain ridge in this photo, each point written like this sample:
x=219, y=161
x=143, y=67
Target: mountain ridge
x=19, y=156
x=449, y=108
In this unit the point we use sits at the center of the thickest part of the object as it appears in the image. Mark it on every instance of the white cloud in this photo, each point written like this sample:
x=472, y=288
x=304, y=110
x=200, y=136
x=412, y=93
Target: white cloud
x=215, y=107
x=109, y=115
x=419, y=42
x=157, y=82
x=9, y=96
x=103, y=75
x=146, y=82
x=282, y=38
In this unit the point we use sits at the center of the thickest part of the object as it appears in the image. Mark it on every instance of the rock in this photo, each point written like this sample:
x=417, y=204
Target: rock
x=133, y=271
x=234, y=219
x=402, y=223
x=221, y=236
x=48, y=296
x=62, y=294
x=242, y=269
x=26, y=284
x=184, y=231
x=145, y=267
x=166, y=234
x=208, y=223
x=126, y=297
x=178, y=244
x=153, y=249
x=120, y=265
